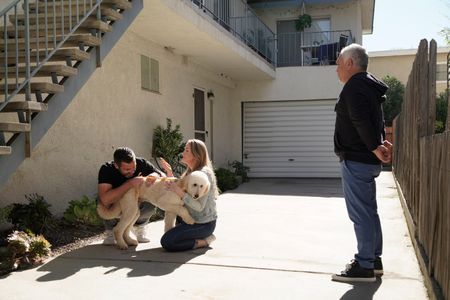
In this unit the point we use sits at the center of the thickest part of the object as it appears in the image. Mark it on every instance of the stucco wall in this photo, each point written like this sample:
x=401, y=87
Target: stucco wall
x=112, y=110
x=400, y=65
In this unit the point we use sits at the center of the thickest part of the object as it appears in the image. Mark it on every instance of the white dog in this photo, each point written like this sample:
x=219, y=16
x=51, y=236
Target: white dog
x=195, y=184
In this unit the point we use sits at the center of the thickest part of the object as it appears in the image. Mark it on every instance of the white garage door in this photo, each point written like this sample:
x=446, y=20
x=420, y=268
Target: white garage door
x=290, y=139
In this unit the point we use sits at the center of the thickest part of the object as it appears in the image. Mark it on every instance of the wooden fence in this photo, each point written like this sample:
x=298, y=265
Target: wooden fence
x=421, y=165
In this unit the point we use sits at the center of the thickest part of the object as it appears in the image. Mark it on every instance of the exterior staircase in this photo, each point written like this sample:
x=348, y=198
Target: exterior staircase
x=48, y=50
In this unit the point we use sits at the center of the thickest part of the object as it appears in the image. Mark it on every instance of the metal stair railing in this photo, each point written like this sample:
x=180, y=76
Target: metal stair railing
x=59, y=25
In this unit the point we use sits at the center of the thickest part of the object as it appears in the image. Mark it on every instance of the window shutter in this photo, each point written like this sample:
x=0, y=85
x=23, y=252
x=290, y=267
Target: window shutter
x=154, y=75
x=145, y=72
x=149, y=74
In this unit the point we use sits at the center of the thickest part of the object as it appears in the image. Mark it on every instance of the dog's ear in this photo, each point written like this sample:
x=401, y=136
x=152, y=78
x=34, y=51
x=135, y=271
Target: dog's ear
x=208, y=186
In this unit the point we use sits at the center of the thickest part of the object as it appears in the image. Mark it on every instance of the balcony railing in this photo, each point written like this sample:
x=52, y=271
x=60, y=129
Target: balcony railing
x=311, y=48
x=238, y=18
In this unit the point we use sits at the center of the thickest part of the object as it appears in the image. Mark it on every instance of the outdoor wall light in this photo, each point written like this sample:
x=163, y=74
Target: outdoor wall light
x=210, y=95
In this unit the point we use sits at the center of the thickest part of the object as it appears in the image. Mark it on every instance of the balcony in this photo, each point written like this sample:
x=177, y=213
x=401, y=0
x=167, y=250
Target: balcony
x=240, y=19
x=311, y=48
x=224, y=37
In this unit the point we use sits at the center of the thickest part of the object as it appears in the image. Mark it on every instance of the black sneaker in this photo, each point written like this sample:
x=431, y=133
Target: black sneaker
x=378, y=267
x=355, y=273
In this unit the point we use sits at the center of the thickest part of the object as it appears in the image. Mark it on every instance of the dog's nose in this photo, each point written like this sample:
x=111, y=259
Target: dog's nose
x=196, y=196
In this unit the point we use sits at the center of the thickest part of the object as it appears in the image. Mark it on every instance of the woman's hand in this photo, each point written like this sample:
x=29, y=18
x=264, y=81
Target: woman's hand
x=166, y=167
x=173, y=187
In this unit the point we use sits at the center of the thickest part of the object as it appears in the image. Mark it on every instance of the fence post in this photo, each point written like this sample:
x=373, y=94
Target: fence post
x=432, y=88
x=423, y=112
x=447, y=128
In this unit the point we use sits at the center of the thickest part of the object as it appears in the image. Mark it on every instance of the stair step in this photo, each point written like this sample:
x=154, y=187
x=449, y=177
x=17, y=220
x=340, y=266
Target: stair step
x=121, y=4
x=32, y=106
x=43, y=87
x=108, y=13
x=73, y=41
x=59, y=55
x=44, y=71
x=85, y=27
x=14, y=127
x=5, y=150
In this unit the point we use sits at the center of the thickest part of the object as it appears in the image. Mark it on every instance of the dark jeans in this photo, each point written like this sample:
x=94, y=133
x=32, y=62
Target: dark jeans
x=182, y=237
x=145, y=208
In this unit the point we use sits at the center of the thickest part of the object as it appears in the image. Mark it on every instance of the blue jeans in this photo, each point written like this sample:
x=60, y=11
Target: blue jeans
x=146, y=210
x=182, y=237
x=358, y=182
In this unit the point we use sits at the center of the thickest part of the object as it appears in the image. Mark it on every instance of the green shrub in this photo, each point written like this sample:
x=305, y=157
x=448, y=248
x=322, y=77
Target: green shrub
x=25, y=249
x=240, y=170
x=168, y=143
x=39, y=247
x=226, y=180
x=82, y=211
x=394, y=98
x=4, y=213
x=34, y=216
x=441, y=112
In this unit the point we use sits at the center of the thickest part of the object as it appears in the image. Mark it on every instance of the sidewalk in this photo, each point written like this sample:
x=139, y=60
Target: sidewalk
x=276, y=239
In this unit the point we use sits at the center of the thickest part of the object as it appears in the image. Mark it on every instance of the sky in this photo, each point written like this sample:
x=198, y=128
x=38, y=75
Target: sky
x=401, y=24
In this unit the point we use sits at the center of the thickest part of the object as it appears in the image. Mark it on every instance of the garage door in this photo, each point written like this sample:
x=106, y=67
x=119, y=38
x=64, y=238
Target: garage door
x=289, y=139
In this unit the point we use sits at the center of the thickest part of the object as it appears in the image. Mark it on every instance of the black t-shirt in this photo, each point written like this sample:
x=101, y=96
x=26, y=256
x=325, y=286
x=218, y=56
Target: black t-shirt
x=109, y=174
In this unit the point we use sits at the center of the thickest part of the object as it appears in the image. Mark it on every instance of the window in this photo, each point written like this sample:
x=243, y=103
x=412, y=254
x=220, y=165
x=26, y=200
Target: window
x=320, y=32
x=441, y=72
x=149, y=74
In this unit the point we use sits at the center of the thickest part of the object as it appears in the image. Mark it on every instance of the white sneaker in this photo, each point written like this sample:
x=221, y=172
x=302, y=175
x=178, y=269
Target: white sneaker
x=141, y=234
x=109, y=239
x=210, y=239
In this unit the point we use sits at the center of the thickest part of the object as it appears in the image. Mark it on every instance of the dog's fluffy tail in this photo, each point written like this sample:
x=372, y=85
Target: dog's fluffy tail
x=109, y=213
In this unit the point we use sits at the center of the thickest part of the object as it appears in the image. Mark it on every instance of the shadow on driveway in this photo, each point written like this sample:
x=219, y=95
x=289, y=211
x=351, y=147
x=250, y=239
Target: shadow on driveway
x=362, y=291
x=308, y=187
x=148, y=262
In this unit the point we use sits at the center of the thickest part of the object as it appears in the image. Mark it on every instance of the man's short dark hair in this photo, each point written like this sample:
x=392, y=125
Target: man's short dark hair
x=124, y=154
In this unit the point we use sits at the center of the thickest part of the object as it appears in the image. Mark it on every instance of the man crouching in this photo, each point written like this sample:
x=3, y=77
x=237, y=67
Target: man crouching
x=115, y=178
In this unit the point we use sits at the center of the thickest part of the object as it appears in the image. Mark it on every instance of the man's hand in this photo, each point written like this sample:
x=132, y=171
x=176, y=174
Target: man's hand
x=383, y=153
x=388, y=145
x=150, y=179
x=136, y=181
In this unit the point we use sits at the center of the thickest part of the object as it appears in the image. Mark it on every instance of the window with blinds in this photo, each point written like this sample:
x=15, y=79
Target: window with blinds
x=149, y=74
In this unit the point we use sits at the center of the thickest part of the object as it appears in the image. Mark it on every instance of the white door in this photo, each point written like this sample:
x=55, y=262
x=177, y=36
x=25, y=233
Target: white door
x=290, y=139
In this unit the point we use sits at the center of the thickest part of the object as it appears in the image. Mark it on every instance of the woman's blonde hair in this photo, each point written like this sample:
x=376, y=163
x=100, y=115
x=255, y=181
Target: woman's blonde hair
x=200, y=153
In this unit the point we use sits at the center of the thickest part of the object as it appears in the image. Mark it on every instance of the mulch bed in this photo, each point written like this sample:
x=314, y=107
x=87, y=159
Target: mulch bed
x=63, y=238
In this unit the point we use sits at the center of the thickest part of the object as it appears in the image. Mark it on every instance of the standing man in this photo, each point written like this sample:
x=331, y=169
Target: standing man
x=359, y=143
x=115, y=178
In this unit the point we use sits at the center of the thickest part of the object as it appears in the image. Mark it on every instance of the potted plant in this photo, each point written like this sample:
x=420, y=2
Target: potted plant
x=303, y=21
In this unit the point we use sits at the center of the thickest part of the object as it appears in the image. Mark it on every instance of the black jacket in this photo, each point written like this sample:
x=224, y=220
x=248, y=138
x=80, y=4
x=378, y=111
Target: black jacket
x=359, y=125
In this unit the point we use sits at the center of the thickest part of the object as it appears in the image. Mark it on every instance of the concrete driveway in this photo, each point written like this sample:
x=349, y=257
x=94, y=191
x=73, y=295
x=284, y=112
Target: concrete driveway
x=276, y=239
